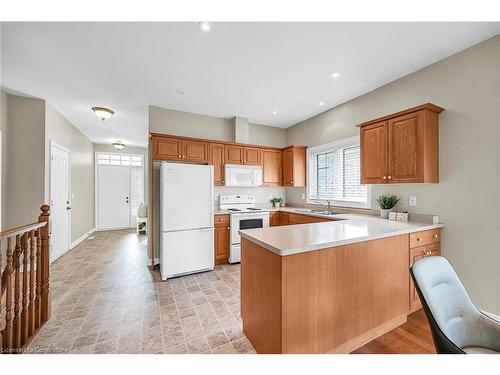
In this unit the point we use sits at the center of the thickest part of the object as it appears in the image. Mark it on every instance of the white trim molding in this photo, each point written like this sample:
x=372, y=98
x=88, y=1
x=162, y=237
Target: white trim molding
x=82, y=238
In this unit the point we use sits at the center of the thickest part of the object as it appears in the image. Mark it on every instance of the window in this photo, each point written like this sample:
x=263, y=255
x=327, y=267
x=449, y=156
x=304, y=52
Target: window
x=334, y=175
x=119, y=159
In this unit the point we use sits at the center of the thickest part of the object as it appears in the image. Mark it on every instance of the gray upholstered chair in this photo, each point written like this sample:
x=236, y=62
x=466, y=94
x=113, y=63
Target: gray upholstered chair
x=457, y=325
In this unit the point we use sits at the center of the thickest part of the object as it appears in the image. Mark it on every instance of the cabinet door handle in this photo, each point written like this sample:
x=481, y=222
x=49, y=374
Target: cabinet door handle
x=227, y=227
x=435, y=236
x=179, y=156
x=384, y=177
x=389, y=177
x=419, y=240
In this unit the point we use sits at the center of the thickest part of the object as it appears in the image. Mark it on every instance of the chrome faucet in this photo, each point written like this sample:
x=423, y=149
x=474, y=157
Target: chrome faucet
x=328, y=206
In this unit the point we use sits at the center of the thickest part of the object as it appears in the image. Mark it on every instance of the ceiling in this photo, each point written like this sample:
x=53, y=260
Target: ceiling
x=237, y=69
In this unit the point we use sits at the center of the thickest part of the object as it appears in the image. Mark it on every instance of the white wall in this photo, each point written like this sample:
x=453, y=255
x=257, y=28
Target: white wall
x=467, y=197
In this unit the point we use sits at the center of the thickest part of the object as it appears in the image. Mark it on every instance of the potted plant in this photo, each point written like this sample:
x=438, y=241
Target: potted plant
x=276, y=201
x=386, y=203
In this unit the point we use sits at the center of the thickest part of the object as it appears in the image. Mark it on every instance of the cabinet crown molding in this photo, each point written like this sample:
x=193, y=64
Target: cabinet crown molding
x=428, y=106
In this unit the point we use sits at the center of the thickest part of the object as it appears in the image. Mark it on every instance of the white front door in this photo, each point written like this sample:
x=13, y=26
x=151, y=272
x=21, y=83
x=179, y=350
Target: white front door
x=113, y=197
x=60, y=193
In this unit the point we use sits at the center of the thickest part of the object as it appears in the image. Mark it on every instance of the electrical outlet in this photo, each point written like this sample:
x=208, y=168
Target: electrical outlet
x=303, y=196
x=412, y=201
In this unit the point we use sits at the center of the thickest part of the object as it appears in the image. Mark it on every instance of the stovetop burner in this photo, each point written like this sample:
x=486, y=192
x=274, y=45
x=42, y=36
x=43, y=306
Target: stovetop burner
x=233, y=209
x=253, y=209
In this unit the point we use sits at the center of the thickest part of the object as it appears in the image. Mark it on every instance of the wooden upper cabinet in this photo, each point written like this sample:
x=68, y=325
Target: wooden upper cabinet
x=401, y=148
x=406, y=147
x=373, y=141
x=194, y=151
x=216, y=158
x=252, y=156
x=233, y=154
x=294, y=166
x=165, y=148
x=271, y=167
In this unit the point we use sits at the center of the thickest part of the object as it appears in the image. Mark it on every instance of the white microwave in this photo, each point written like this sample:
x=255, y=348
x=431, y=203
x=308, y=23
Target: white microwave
x=237, y=175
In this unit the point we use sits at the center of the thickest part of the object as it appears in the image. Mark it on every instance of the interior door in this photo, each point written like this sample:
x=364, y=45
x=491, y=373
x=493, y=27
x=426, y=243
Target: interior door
x=113, y=197
x=60, y=201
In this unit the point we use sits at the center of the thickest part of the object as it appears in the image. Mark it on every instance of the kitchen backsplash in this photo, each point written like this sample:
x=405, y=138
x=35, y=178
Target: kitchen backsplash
x=262, y=195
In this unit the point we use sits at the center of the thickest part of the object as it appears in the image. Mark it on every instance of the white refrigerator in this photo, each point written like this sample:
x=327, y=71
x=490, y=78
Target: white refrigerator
x=186, y=219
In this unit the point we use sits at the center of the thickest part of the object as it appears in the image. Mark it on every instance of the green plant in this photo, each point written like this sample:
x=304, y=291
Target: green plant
x=276, y=200
x=386, y=202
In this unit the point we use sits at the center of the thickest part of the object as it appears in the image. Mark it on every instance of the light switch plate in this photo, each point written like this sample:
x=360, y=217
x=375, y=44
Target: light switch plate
x=303, y=196
x=412, y=201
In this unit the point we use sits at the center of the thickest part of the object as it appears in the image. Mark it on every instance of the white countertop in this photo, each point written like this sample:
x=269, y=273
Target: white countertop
x=350, y=228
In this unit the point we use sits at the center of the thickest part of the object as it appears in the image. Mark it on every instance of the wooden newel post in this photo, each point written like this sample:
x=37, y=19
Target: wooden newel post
x=45, y=291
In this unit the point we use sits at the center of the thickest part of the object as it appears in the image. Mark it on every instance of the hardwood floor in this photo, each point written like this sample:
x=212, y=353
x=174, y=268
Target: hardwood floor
x=412, y=337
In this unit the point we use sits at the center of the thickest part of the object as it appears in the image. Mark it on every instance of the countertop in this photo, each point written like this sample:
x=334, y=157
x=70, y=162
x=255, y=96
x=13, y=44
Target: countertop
x=350, y=228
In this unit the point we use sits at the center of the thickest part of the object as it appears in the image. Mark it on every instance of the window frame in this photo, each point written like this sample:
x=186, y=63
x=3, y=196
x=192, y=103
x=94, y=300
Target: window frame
x=312, y=153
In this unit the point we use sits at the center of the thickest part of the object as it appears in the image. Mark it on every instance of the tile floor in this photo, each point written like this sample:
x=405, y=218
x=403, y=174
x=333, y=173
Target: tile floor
x=105, y=300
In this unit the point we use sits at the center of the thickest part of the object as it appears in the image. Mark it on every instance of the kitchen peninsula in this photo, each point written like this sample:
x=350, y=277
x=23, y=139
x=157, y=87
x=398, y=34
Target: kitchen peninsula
x=328, y=287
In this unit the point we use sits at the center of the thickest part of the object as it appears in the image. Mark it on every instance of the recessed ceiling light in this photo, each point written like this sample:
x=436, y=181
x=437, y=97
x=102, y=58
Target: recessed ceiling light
x=205, y=27
x=335, y=75
x=275, y=112
x=118, y=145
x=321, y=103
x=103, y=113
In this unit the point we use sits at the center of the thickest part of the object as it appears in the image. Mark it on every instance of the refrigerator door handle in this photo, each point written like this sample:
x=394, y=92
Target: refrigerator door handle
x=205, y=229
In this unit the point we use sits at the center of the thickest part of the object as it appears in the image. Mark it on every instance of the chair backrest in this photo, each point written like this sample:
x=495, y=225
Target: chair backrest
x=453, y=318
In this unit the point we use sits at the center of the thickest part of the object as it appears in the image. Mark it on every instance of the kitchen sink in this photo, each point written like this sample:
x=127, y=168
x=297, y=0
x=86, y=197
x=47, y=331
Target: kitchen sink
x=323, y=212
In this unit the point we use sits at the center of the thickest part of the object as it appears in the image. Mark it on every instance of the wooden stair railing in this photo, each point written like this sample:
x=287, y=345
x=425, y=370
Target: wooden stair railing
x=24, y=291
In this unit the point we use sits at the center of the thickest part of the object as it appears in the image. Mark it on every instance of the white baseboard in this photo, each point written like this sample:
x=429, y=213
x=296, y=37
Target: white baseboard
x=82, y=238
x=154, y=262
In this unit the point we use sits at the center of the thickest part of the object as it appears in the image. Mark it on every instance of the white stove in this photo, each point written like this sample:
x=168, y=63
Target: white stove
x=244, y=215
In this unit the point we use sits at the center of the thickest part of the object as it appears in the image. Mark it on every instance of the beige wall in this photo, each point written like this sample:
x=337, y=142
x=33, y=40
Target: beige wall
x=4, y=110
x=467, y=198
x=63, y=132
x=25, y=156
x=162, y=120
x=129, y=150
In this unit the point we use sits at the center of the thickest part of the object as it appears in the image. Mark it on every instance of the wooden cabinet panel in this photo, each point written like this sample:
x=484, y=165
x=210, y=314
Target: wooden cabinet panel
x=415, y=254
x=305, y=219
x=429, y=245
x=194, y=151
x=405, y=136
x=425, y=237
x=252, y=156
x=284, y=218
x=294, y=166
x=271, y=168
x=221, y=239
x=373, y=141
x=233, y=154
x=274, y=219
x=166, y=148
x=216, y=158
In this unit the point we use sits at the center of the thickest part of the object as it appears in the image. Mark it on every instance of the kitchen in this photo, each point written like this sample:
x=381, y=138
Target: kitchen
x=403, y=148
x=191, y=167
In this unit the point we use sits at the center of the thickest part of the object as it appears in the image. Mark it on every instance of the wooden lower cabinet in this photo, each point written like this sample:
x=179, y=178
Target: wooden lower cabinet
x=431, y=248
x=221, y=239
x=274, y=219
x=305, y=219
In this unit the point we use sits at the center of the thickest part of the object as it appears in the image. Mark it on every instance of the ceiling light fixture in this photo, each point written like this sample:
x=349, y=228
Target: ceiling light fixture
x=275, y=112
x=118, y=145
x=205, y=27
x=321, y=103
x=103, y=113
x=335, y=75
